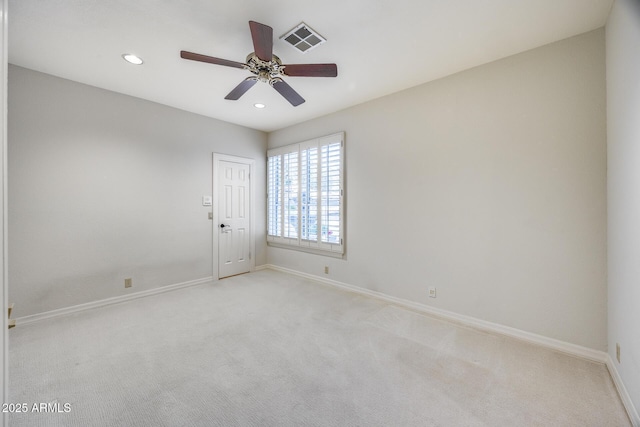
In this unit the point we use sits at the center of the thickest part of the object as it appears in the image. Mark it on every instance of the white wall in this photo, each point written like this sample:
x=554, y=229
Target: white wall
x=489, y=185
x=623, y=135
x=104, y=186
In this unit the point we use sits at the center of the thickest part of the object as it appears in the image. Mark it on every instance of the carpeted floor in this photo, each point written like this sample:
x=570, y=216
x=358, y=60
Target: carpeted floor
x=270, y=349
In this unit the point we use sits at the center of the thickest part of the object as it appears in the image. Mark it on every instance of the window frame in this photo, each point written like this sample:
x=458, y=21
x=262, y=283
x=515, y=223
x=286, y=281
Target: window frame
x=276, y=204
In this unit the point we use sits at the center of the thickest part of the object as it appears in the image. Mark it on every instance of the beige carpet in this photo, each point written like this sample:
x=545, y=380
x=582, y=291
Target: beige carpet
x=270, y=349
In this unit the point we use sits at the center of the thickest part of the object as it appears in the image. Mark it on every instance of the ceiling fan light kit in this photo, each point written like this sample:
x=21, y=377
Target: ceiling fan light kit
x=267, y=67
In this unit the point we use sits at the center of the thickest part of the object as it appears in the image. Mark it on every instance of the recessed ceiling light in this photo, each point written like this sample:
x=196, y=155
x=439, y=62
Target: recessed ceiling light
x=258, y=105
x=132, y=59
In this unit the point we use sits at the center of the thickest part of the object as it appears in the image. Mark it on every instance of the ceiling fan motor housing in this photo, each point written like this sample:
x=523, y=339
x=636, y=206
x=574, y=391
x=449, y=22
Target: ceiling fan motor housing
x=266, y=71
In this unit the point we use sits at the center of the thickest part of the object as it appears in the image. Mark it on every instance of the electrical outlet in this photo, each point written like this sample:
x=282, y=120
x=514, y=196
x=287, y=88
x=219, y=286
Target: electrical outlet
x=432, y=292
x=128, y=283
x=618, y=352
x=326, y=269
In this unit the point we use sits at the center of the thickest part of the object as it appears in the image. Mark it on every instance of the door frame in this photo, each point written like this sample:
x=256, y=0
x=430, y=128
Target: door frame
x=217, y=158
x=4, y=296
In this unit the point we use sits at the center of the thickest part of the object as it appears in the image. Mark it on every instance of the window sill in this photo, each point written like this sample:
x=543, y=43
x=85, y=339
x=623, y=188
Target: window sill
x=307, y=250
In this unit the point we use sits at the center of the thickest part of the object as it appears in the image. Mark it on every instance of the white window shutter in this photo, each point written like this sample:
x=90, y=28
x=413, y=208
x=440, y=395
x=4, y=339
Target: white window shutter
x=305, y=201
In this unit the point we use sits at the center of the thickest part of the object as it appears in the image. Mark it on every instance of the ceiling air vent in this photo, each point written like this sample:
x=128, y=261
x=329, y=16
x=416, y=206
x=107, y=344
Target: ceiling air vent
x=303, y=38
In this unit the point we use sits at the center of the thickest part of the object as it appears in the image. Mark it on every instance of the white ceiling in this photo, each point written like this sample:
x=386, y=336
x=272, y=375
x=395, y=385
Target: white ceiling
x=380, y=46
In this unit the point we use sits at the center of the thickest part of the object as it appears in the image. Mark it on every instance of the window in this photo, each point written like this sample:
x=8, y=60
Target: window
x=305, y=200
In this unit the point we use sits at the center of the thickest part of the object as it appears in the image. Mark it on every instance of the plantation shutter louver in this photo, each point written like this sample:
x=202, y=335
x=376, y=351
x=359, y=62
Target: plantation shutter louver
x=274, y=208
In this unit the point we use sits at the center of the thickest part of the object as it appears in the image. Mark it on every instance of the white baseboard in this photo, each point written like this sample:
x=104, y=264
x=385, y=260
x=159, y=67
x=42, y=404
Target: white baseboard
x=21, y=321
x=622, y=391
x=551, y=343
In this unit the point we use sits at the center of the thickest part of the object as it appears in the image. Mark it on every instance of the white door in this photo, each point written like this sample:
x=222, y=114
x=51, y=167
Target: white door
x=234, y=218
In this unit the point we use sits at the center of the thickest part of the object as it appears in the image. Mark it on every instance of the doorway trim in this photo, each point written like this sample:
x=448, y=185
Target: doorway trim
x=4, y=298
x=217, y=158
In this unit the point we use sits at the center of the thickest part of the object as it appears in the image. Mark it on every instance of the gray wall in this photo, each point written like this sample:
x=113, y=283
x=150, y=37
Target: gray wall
x=623, y=139
x=103, y=186
x=489, y=185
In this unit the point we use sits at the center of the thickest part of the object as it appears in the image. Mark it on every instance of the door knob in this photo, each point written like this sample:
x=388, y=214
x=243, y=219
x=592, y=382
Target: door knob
x=223, y=226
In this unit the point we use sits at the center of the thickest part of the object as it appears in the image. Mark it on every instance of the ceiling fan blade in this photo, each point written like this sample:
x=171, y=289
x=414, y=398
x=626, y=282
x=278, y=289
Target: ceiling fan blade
x=210, y=59
x=311, y=70
x=262, y=36
x=240, y=90
x=287, y=91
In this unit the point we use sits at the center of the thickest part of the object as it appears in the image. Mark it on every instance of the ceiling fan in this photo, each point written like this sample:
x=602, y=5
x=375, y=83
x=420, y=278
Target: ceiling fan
x=266, y=67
